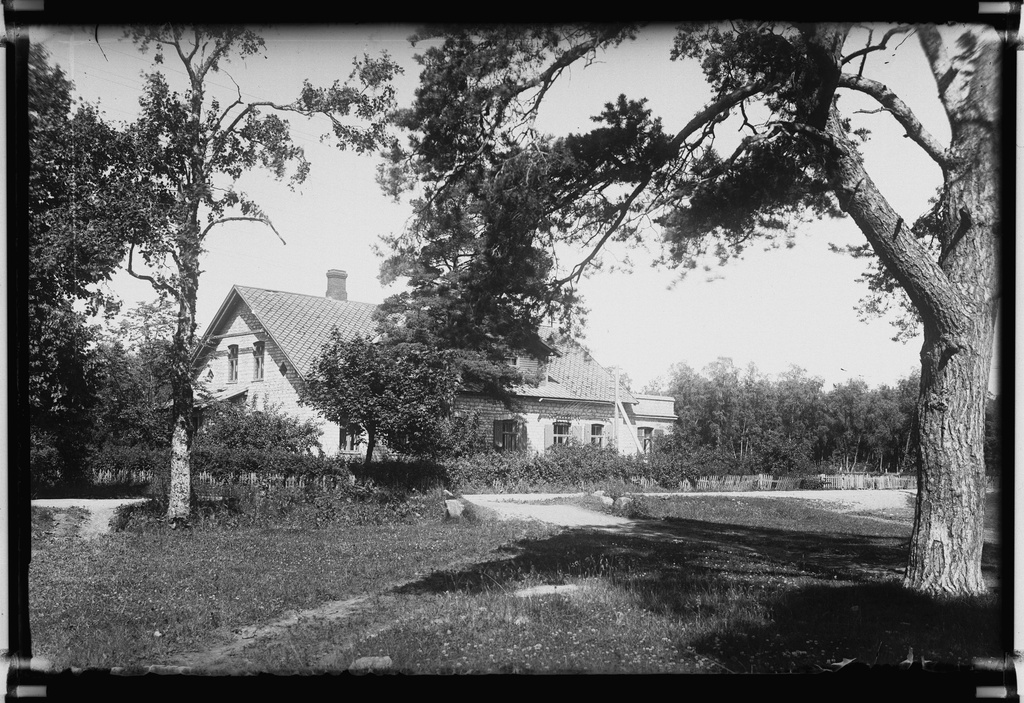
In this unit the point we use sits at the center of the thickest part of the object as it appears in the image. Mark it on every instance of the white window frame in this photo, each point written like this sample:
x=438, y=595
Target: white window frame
x=561, y=437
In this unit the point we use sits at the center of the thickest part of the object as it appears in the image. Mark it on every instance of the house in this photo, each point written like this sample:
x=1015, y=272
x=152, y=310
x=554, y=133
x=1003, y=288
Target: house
x=262, y=343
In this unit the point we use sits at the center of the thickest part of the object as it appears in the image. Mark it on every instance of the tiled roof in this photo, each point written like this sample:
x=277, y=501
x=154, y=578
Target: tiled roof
x=301, y=324
x=574, y=374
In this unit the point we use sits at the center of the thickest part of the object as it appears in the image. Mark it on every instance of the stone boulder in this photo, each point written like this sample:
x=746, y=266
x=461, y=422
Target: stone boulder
x=454, y=509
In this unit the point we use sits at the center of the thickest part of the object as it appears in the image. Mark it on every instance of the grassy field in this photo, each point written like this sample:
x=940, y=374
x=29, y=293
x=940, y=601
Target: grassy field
x=701, y=585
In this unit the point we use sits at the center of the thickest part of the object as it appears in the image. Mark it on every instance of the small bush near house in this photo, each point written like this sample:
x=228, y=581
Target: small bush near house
x=248, y=427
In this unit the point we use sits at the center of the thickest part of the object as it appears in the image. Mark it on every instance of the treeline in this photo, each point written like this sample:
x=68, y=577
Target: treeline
x=752, y=422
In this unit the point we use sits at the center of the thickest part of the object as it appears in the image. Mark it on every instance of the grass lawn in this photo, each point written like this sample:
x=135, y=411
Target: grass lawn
x=706, y=584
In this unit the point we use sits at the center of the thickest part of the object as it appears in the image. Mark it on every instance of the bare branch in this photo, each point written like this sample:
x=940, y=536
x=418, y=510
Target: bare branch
x=902, y=113
x=578, y=269
x=715, y=109
x=245, y=218
x=903, y=28
x=547, y=78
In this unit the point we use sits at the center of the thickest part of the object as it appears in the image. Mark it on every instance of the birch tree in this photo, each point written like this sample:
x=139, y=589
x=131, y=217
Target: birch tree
x=188, y=151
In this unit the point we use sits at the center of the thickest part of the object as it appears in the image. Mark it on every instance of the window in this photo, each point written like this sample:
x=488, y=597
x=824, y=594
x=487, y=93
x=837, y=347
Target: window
x=646, y=437
x=509, y=440
x=233, y=363
x=257, y=361
x=597, y=435
x=561, y=433
x=348, y=438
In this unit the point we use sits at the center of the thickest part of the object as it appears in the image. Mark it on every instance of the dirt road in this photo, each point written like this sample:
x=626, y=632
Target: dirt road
x=101, y=511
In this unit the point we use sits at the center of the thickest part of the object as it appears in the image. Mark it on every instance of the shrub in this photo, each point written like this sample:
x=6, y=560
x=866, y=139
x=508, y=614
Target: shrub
x=565, y=467
x=248, y=427
x=223, y=462
x=405, y=475
x=46, y=464
x=126, y=460
x=236, y=505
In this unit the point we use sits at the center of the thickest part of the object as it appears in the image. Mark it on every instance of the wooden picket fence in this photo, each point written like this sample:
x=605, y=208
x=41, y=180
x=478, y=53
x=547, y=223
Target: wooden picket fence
x=765, y=482
x=844, y=482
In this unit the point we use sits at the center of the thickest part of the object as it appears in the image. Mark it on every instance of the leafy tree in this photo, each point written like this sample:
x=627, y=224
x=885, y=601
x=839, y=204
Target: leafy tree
x=473, y=141
x=188, y=150
x=135, y=391
x=75, y=188
x=401, y=395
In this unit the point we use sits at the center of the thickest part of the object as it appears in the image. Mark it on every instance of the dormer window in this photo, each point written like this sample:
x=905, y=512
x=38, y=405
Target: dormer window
x=233, y=363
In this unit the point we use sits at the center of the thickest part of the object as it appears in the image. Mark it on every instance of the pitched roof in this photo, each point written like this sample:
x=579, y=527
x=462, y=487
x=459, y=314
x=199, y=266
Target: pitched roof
x=300, y=325
x=574, y=374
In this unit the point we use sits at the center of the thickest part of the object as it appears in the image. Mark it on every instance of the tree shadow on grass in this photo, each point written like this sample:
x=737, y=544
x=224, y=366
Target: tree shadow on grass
x=760, y=600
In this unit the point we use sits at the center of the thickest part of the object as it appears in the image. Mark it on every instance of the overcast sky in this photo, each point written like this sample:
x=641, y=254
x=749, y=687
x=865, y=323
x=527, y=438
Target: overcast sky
x=774, y=309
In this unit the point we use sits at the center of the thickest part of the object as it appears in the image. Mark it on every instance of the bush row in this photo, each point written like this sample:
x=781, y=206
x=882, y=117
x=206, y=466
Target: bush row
x=567, y=467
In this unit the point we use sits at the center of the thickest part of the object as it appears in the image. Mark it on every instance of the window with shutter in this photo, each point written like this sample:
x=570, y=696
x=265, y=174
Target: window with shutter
x=597, y=435
x=560, y=433
x=506, y=435
x=645, y=435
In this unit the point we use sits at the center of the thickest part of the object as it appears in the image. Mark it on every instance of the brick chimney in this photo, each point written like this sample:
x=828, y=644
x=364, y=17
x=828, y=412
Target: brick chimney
x=336, y=285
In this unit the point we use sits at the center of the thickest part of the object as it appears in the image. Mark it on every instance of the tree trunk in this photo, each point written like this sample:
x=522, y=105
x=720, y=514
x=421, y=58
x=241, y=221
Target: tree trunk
x=180, y=492
x=945, y=549
x=179, y=504
x=371, y=444
x=956, y=296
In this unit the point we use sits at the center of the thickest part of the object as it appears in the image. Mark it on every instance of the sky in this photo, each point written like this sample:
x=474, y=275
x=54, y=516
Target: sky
x=774, y=309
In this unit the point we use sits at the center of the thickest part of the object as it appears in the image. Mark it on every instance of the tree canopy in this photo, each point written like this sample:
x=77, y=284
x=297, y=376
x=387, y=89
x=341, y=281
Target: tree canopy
x=499, y=200
x=402, y=395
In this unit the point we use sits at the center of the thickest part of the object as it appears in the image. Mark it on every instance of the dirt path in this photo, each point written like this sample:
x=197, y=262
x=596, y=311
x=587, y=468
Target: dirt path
x=101, y=511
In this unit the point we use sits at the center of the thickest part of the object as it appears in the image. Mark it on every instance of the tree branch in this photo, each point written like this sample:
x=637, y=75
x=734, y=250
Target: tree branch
x=896, y=245
x=879, y=46
x=246, y=218
x=701, y=119
x=902, y=113
x=547, y=78
x=157, y=285
x=577, y=271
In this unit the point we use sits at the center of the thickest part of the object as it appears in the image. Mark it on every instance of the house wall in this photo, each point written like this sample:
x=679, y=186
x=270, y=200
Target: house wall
x=539, y=415
x=280, y=385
